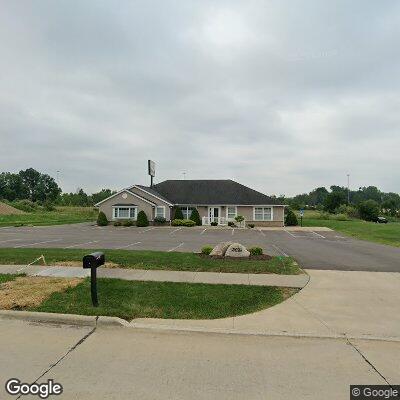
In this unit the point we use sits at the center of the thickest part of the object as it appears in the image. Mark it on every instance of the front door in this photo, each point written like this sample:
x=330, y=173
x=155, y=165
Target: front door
x=213, y=213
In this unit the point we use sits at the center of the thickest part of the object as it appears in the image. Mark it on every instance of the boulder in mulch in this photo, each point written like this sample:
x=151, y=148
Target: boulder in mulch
x=220, y=249
x=237, y=250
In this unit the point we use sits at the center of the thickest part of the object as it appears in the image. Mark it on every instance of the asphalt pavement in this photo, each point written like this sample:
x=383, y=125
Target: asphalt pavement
x=312, y=249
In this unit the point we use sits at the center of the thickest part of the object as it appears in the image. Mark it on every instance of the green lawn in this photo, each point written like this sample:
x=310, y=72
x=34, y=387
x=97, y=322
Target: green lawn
x=142, y=259
x=129, y=300
x=380, y=233
x=7, y=277
x=62, y=215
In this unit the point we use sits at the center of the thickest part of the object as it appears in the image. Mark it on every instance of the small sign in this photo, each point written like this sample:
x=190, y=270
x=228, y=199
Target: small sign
x=152, y=168
x=301, y=213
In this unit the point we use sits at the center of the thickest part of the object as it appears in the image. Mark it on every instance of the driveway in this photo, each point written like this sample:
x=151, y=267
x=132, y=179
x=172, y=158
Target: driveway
x=312, y=249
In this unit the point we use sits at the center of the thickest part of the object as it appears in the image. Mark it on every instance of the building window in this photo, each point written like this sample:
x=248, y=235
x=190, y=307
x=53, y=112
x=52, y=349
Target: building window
x=262, y=213
x=231, y=212
x=160, y=212
x=187, y=212
x=125, y=212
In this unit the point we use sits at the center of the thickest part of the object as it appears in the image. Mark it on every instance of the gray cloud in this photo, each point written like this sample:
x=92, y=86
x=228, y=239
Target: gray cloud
x=282, y=96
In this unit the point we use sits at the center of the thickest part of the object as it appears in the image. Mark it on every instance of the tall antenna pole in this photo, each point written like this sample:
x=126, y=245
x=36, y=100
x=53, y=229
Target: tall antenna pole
x=348, y=188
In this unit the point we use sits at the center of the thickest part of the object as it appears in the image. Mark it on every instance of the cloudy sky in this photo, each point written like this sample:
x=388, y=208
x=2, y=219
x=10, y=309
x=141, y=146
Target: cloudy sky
x=282, y=96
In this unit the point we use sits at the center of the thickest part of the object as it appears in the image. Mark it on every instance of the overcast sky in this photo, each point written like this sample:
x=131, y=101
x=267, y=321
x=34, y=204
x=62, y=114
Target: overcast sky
x=282, y=96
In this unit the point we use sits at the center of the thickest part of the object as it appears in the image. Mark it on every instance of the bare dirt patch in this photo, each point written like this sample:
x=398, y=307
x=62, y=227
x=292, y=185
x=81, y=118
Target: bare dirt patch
x=6, y=209
x=32, y=291
x=108, y=264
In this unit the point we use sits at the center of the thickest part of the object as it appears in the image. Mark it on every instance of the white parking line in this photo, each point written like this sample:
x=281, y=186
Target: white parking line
x=9, y=240
x=34, y=244
x=128, y=245
x=80, y=244
x=176, y=247
x=175, y=230
x=203, y=231
x=290, y=233
x=262, y=233
x=315, y=233
x=148, y=229
x=281, y=251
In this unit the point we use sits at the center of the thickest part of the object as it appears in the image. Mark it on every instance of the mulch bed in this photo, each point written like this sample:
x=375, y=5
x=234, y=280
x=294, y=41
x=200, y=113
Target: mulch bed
x=251, y=258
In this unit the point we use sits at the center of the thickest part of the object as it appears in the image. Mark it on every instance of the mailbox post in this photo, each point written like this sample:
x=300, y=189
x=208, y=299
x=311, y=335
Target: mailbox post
x=93, y=261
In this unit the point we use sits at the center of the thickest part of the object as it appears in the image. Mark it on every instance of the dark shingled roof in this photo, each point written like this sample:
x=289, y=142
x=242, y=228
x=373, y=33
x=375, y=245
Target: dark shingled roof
x=212, y=192
x=152, y=191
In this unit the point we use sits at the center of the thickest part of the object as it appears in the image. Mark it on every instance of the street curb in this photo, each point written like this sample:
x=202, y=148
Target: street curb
x=51, y=318
x=114, y=322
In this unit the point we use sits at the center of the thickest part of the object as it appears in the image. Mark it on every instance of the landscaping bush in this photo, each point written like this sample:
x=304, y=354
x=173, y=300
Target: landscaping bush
x=142, y=219
x=206, y=250
x=239, y=218
x=214, y=223
x=102, y=219
x=250, y=225
x=177, y=222
x=341, y=217
x=178, y=213
x=231, y=224
x=369, y=210
x=128, y=223
x=255, y=251
x=188, y=222
x=117, y=223
x=195, y=216
x=159, y=220
x=291, y=219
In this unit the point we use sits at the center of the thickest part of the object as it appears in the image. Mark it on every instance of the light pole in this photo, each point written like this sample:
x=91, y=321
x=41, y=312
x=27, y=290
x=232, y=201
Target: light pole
x=348, y=188
x=58, y=178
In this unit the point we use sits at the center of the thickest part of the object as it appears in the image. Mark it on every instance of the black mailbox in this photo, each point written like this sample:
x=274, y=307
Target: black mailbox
x=93, y=261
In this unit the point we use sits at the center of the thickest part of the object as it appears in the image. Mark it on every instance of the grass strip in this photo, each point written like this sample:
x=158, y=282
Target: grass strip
x=129, y=300
x=144, y=259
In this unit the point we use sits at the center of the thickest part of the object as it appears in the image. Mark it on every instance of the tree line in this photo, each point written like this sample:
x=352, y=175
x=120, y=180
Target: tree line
x=335, y=199
x=36, y=187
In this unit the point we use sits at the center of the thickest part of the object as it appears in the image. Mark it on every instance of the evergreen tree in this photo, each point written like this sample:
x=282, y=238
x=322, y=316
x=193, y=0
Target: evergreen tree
x=195, y=216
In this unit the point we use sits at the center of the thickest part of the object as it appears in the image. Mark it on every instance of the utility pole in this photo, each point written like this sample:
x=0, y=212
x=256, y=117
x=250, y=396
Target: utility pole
x=184, y=175
x=348, y=188
x=58, y=178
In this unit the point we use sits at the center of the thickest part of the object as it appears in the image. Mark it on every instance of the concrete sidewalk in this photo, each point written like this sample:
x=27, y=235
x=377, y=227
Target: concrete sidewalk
x=334, y=304
x=293, y=281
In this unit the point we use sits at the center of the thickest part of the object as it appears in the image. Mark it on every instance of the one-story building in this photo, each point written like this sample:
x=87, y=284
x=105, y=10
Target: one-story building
x=216, y=201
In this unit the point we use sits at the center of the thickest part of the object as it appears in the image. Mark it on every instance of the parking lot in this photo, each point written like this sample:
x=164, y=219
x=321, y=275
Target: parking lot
x=312, y=249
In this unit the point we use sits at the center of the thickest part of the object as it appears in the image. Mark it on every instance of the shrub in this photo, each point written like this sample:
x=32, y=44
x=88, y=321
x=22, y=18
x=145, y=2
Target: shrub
x=291, y=219
x=48, y=206
x=160, y=220
x=250, y=225
x=142, y=219
x=239, y=218
x=369, y=210
x=206, y=250
x=128, y=223
x=102, y=219
x=176, y=222
x=255, y=251
x=341, y=217
x=232, y=224
x=214, y=223
x=25, y=205
x=178, y=213
x=117, y=223
x=188, y=222
x=195, y=216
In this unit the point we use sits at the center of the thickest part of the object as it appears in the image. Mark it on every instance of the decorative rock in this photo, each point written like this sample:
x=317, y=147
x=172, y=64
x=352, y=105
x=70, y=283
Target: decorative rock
x=237, y=250
x=220, y=249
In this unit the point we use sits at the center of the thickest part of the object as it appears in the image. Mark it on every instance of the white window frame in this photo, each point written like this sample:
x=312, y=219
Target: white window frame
x=163, y=212
x=116, y=208
x=227, y=214
x=186, y=210
x=263, y=213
